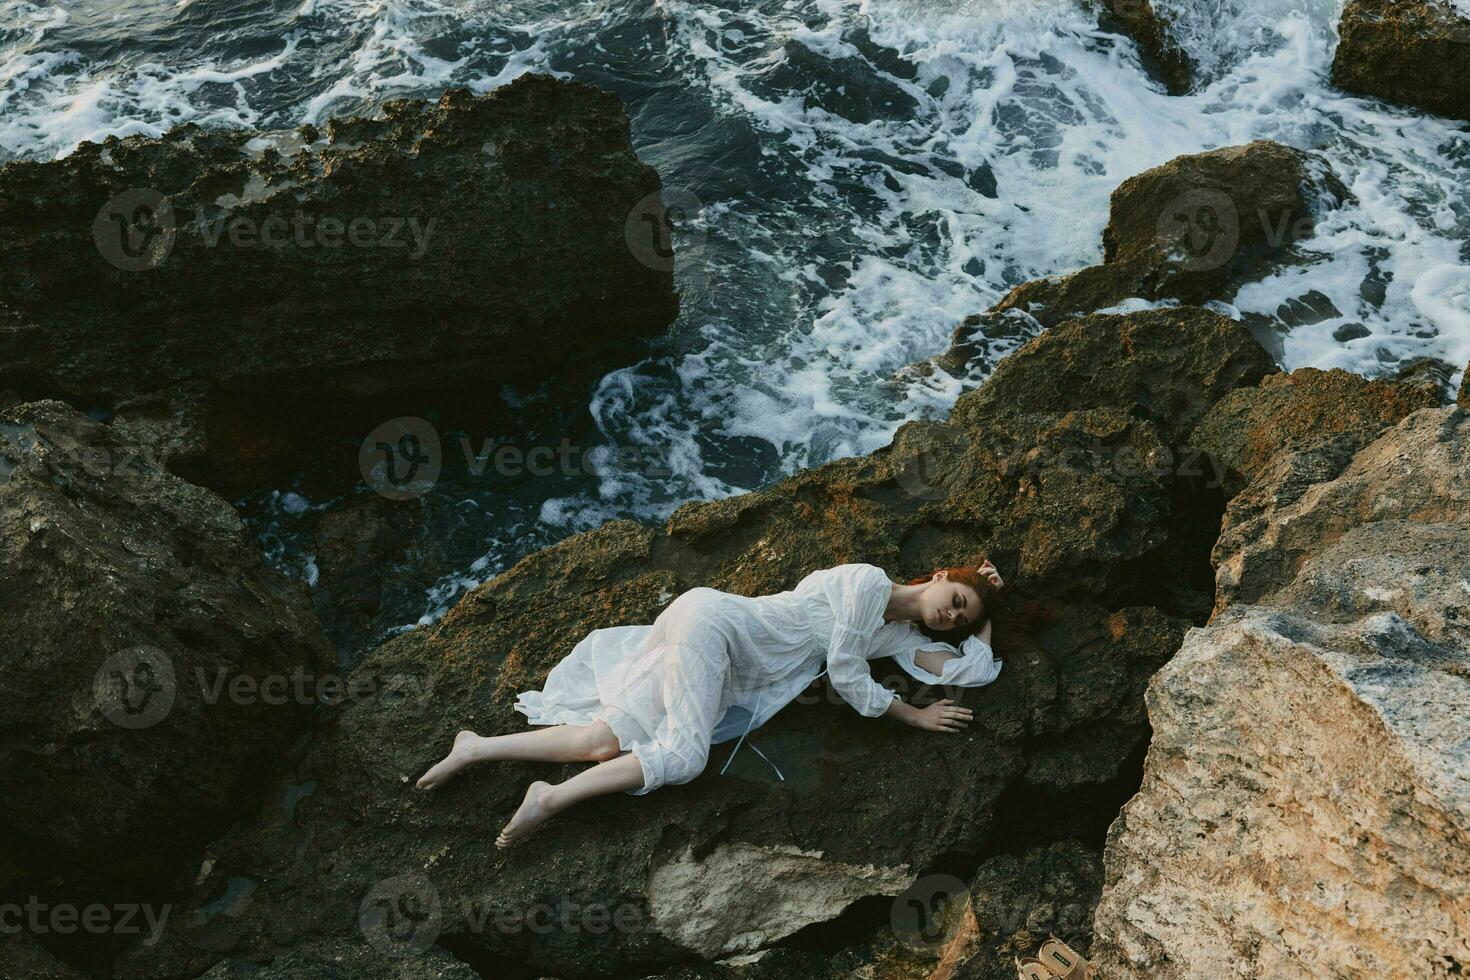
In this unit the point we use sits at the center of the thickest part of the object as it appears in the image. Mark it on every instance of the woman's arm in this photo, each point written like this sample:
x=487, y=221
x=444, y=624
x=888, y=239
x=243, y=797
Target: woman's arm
x=941, y=716
x=857, y=594
x=851, y=677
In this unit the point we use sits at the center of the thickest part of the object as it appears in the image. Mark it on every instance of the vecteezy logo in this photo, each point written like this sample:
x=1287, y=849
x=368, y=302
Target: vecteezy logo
x=135, y=688
x=916, y=912
x=401, y=916
x=1200, y=230
x=135, y=230
x=401, y=458
x=649, y=230
x=925, y=474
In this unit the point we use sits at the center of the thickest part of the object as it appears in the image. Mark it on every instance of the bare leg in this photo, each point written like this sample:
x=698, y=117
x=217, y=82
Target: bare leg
x=558, y=743
x=545, y=799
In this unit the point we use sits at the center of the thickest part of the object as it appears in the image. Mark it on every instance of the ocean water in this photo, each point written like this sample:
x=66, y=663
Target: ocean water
x=849, y=180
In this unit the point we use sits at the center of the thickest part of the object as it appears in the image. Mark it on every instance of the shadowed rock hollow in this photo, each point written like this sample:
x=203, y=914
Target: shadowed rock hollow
x=132, y=602
x=1047, y=476
x=1305, y=808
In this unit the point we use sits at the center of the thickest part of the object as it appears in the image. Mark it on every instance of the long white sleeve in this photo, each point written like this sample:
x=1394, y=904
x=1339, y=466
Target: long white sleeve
x=858, y=593
x=972, y=664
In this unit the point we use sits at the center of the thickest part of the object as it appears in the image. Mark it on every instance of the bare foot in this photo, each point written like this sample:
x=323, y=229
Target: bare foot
x=463, y=754
x=535, y=808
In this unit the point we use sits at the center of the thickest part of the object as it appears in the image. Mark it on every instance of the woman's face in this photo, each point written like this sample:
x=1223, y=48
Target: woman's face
x=947, y=605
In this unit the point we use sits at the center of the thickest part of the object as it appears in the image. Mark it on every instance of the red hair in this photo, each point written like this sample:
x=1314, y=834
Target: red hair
x=1011, y=623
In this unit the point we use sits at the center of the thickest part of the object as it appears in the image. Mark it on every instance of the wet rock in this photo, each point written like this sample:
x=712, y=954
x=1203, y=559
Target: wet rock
x=1415, y=52
x=373, y=555
x=1193, y=230
x=140, y=624
x=1463, y=398
x=853, y=88
x=1246, y=428
x=298, y=285
x=1307, y=309
x=1429, y=374
x=1153, y=33
x=977, y=345
x=1113, y=550
x=1306, y=805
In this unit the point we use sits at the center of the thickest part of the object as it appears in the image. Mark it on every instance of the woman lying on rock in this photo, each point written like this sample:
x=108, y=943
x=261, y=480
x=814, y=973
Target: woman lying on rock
x=647, y=702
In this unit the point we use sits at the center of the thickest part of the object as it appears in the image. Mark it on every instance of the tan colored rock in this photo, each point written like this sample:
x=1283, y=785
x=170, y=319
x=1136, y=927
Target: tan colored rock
x=1417, y=471
x=741, y=898
x=1246, y=429
x=1305, y=809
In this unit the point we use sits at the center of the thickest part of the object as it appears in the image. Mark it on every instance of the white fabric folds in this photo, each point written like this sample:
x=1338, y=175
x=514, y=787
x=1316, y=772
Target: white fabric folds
x=714, y=666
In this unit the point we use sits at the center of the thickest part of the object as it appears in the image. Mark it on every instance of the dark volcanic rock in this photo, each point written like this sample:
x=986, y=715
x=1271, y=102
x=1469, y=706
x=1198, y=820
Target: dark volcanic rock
x=20, y=957
x=1245, y=430
x=349, y=960
x=849, y=87
x=300, y=283
x=1193, y=230
x=371, y=554
x=1416, y=52
x=1017, y=901
x=133, y=603
x=732, y=864
x=1161, y=53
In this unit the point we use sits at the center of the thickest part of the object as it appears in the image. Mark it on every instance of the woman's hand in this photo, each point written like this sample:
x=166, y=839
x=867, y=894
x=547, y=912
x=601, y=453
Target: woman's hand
x=987, y=570
x=942, y=716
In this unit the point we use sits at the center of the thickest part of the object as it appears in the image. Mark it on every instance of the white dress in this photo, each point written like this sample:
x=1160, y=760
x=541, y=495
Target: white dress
x=714, y=665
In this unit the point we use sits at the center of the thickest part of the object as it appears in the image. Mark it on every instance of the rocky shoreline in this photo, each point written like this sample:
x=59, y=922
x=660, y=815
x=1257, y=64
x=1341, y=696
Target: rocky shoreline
x=267, y=293
x=1237, y=747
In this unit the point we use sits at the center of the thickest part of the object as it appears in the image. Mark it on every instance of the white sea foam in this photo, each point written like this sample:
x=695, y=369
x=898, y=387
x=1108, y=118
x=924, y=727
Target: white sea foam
x=781, y=343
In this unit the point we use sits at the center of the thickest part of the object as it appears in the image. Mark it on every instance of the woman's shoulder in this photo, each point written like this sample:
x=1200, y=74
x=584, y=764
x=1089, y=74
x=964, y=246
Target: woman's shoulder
x=852, y=572
x=857, y=593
